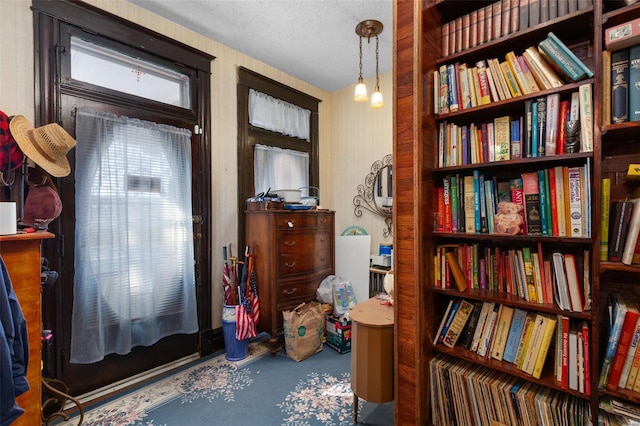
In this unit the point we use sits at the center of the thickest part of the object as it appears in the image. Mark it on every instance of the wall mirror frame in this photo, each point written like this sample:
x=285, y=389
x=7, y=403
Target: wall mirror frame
x=375, y=195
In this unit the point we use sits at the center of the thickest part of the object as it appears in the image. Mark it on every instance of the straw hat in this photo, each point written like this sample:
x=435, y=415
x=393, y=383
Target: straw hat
x=46, y=145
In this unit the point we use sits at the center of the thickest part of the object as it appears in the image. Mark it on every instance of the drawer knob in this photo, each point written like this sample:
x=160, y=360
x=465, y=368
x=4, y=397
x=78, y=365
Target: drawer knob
x=290, y=265
x=290, y=243
x=322, y=240
x=322, y=259
x=290, y=291
x=290, y=223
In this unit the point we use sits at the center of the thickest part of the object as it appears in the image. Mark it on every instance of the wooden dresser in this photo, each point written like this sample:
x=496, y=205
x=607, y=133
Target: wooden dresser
x=293, y=252
x=21, y=255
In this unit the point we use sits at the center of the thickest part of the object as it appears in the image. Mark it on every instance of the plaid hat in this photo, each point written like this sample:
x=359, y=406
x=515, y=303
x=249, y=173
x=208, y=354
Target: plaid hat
x=41, y=207
x=11, y=157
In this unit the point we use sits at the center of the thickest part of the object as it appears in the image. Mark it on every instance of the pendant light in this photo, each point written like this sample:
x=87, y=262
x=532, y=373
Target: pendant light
x=369, y=28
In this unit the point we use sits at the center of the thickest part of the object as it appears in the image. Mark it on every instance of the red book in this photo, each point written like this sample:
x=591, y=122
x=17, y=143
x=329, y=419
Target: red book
x=447, y=205
x=562, y=120
x=626, y=334
x=587, y=358
x=439, y=220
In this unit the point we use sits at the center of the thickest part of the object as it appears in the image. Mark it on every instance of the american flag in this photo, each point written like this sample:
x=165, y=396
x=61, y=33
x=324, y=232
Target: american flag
x=253, y=295
x=245, y=327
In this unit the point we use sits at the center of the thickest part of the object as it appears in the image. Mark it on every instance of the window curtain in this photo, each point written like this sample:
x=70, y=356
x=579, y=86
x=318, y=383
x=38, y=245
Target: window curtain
x=134, y=264
x=279, y=116
x=278, y=168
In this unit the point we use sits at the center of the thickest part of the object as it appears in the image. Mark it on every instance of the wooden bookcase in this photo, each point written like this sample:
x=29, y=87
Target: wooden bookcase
x=419, y=306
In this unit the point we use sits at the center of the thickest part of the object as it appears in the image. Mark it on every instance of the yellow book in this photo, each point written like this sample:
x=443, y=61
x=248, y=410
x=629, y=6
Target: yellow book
x=457, y=324
x=541, y=69
x=606, y=87
x=497, y=73
x=456, y=271
x=605, y=208
x=502, y=332
x=502, y=138
x=544, y=347
x=511, y=79
x=535, y=343
x=512, y=60
x=529, y=322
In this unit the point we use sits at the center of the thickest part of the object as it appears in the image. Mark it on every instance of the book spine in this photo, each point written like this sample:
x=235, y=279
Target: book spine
x=473, y=28
x=575, y=203
x=464, y=87
x=515, y=68
x=455, y=203
x=544, y=202
x=617, y=305
x=444, y=39
x=477, y=202
x=457, y=324
x=501, y=128
x=534, y=129
x=624, y=341
x=515, y=333
x=485, y=91
x=605, y=208
x=509, y=77
x=623, y=35
x=444, y=90
x=563, y=116
x=634, y=83
x=620, y=86
x=447, y=204
x=487, y=307
x=587, y=358
x=534, y=12
x=456, y=270
x=516, y=138
x=528, y=76
x=466, y=35
x=551, y=136
x=453, y=88
x=632, y=235
x=544, y=347
x=620, y=230
x=542, y=126
x=606, y=88
x=469, y=202
x=524, y=14
x=553, y=201
x=586, y=117
x=626, y=370
x=492, y=85
x=496, y=25
x=570, y=55
x=542, y=68
x=531, y=193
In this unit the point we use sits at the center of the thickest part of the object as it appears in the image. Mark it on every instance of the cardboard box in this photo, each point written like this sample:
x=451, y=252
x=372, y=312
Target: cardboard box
x=338, y=334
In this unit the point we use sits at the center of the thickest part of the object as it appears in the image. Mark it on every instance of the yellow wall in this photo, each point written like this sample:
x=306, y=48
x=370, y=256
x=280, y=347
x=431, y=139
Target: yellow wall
x=352, y=135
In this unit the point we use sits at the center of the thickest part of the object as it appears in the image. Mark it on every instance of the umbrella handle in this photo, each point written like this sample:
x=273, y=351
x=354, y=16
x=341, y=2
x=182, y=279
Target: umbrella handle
x=224, y=253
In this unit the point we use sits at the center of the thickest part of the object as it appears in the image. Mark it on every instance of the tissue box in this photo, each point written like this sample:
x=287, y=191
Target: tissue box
x=338, y=334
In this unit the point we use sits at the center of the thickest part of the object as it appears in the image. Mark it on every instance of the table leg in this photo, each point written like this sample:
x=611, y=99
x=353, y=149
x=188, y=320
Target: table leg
x=355, y=408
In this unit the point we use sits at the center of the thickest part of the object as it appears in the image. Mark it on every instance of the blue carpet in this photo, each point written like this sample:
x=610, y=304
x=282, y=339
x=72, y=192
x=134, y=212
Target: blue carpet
x=259, y=390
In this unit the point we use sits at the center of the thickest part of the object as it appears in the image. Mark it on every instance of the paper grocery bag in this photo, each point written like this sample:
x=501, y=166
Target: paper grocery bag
x=303, y=328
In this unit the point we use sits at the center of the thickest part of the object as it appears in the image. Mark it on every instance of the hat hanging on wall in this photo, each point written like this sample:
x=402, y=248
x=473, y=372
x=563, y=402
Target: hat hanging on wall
x=41, y=207
x=46, y=145
x=11, y=157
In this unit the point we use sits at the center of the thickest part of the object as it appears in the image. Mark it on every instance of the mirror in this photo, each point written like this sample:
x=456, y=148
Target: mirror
x=376, y=194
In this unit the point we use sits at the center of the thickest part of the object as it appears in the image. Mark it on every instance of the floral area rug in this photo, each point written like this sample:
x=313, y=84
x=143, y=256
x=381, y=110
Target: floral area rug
x=260, y=390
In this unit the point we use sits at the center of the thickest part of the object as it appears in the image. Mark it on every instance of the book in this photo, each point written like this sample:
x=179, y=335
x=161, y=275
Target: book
x=526, y=130
x=464, y=87
x=605, y=106
x=543, y=73
x=635, y=369
x=456, y=271
x=498, y=78
x=586, y=117
x=492, y=86
x=528, y=76
x=573, y=358
x=444, y=320
x=531, y=194
x=545, y=204
x=620, y=86
x=502, y=332
x=452, y=87
x=534, y=12
x=634, y=83
x=553, y=121
x=515, y=333
x=623, y=35
x=566, y=51
x=560, y=201
x=573, y=283
x=531, y=293
x=518, y=74
x=502, y=138
x=527, y=329
x=535, y=343
x=454, y=200
x=457, y=323
x=517, y=196
x=472, y=323
x=444, y=90
x=523, y=9
x=487, y=308
x=544, y=347
x=575, y=201
x=487, y=332
x=510, y=78
x=617, y=312
x=562, y=351
x=534, y=129
x=631, y=352
x=469, y=202
x=632, y=234
x=542, y=126
x=624, y=342
x=561, y=61
x=516, y=138
x=563, y=116
x=483, y=84
x=619, y=231
x=561, y=293
x=587, y=357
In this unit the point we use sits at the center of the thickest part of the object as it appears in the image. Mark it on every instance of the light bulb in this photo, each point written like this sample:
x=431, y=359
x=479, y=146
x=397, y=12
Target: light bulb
x=376, y=100
x=361, y=93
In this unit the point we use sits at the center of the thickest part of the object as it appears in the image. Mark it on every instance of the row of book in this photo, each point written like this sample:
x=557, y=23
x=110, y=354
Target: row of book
x=621, y=85
x=547, y=202
x=540, y=131
x=618, y=412
x=562, y=279
x=621, y=361
x=458, y=86
x=620, y=228
x=500, y=19
x=465, y=394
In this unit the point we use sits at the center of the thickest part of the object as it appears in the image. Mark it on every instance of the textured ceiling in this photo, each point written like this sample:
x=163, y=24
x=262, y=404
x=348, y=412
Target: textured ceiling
x=312, y=40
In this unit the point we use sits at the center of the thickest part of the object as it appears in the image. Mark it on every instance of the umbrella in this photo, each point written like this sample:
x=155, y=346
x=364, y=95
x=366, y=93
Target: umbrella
x=245, y=325
x=226, y=278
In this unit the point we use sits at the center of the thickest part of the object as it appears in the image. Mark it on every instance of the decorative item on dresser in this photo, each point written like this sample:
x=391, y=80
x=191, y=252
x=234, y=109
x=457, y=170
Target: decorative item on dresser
x=294, y=252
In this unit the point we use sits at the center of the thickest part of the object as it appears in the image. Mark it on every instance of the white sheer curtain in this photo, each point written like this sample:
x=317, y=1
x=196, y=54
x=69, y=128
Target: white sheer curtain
x=278, y=168
x=279, y=116
x=134, y=259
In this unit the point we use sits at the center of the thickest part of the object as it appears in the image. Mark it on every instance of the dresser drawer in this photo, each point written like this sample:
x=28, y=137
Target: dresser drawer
x=303, y=242
x=303, y=262
x=286, y=293
x=319, y=220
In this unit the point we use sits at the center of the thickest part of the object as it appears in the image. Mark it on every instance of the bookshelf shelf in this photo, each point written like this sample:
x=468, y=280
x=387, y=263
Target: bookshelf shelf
x=528, y=163
x=509, y=299
x=547, y=379
x=500, y=238
x=618, y=267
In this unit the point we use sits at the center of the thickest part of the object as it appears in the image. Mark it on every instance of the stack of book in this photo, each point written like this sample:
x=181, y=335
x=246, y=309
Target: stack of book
x=463, y=393
x=621, y=73
x=619, y=235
